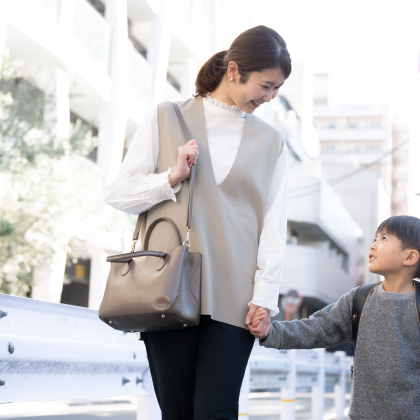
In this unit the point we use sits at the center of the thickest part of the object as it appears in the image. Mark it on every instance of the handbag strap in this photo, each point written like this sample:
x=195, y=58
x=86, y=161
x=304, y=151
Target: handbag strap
x=186, y=135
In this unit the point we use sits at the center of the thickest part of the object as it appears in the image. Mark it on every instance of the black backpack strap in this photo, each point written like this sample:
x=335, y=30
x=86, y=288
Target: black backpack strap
x=417, y=299
x=359, y=300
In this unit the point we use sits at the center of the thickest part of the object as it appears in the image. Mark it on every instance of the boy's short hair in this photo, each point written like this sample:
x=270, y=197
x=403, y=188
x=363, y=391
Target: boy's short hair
x=407, y=230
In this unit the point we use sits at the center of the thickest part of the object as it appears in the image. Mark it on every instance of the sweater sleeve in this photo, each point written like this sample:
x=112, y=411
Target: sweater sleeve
x=326, y=328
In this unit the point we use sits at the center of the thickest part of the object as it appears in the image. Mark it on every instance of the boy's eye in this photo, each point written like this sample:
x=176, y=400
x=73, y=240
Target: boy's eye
x=383, y=237
x=265, y=87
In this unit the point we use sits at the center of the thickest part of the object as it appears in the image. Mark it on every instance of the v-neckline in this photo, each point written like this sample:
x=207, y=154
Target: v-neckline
x=206, y=141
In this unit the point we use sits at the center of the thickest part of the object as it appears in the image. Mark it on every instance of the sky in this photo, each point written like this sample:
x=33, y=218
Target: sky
x=371, y=47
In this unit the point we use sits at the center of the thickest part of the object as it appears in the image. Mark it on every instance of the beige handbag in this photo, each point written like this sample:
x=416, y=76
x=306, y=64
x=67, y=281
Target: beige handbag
x=151, y=290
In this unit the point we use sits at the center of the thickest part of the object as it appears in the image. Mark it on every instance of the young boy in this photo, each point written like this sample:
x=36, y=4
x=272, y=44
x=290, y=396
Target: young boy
x=386, y=380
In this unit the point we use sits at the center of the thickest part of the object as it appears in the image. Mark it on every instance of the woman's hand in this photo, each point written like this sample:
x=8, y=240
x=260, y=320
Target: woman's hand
x=187, y=156
x=260, y=324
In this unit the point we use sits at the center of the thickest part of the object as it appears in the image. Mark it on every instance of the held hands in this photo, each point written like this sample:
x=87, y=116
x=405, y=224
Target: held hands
x=187, y=156
x=259, y=321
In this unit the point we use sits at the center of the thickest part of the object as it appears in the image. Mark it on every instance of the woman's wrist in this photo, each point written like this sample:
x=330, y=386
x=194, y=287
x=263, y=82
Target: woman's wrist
x=174, y=178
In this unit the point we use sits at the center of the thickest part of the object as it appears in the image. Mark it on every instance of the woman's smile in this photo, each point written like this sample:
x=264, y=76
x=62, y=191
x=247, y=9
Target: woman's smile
x=256, y=104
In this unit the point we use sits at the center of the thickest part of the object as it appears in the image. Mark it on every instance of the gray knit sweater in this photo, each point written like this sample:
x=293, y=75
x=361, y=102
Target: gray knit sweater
x=386, y=381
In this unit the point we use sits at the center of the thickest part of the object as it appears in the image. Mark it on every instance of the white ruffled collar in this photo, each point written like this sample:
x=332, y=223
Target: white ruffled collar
x=217, y=107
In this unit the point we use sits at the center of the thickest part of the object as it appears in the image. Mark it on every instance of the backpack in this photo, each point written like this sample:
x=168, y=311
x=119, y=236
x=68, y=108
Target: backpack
x=359, y=300
x=361, y=296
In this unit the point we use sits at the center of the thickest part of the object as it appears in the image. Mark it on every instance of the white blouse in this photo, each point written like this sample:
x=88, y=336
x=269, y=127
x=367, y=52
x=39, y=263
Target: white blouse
x=138, y=187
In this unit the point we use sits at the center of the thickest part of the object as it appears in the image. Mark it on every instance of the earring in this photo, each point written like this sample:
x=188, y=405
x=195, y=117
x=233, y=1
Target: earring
x=231, y=79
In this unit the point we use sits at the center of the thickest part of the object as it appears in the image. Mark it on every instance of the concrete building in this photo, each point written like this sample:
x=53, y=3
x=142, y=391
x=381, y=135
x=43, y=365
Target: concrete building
x=356, y=144
x=108, y=62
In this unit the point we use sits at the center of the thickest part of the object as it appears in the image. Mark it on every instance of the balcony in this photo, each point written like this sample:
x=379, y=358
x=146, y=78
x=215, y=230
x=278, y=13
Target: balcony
x=48, y=8
x=92, y=32
x=76, y=39
x=171, y=94
x=314, y=273
x=312, y=199
x=140, y=85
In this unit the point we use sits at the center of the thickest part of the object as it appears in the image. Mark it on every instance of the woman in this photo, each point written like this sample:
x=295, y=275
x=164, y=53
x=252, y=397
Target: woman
x=239, y=219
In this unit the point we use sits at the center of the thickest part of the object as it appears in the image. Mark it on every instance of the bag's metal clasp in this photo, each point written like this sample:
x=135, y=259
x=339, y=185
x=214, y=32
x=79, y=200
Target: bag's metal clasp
x=187, y=241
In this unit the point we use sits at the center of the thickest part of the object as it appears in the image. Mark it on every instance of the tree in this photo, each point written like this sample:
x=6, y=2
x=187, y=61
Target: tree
x=49, y=191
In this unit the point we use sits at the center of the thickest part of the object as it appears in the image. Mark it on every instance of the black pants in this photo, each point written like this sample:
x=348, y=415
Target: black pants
x=197, y=372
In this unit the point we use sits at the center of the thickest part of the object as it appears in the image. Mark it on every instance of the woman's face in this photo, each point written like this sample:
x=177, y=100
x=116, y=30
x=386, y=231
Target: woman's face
x=262, y=86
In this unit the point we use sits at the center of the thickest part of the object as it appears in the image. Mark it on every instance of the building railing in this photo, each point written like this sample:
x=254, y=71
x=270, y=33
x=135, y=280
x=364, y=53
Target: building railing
x=53, y=351
x=92, y=32
x=49, y=8
x=140, y=76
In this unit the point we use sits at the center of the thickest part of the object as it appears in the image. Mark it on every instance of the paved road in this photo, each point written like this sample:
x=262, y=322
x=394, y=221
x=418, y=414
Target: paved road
x=263, y=406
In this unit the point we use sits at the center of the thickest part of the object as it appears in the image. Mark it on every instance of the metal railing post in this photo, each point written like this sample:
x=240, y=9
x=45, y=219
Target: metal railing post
x=288, y=392
x=318, y=390
x=244, y=395
x=340, y=387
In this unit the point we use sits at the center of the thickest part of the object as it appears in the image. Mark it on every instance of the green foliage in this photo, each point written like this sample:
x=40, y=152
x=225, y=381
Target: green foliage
x=49, y=193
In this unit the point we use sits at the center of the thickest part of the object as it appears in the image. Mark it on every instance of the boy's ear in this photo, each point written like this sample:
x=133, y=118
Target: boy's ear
x=411, y=257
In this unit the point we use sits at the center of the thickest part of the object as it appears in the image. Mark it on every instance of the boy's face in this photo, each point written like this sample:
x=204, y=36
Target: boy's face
x=385, y=254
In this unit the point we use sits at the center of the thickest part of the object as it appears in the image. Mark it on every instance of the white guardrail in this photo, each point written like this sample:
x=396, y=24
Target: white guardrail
x=59, y=352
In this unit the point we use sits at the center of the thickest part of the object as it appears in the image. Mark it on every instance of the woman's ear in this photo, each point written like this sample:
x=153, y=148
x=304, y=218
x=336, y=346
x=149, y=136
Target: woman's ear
x=232, y=70
x=412, y=257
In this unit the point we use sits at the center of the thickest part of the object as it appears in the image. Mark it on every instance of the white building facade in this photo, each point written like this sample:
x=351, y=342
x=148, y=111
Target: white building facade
x=356, y=143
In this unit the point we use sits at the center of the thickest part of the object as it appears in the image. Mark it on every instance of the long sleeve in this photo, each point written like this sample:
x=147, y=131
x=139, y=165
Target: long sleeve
x=326, y=328
x=272, y=241
x=138, y=187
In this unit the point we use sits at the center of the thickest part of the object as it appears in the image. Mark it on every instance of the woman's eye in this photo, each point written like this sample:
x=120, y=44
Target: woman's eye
x=265, y=87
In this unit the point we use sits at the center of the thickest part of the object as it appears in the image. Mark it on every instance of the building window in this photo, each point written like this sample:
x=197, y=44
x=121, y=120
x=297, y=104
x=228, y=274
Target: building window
x=173, y=82
x=331, y=149
x=293, y=239
x=374, y=149
x=353, y=125
x=93, y=154
x=375, y=173
x=76, y=282
x=331, y=126
x=136, y=44
x=98, y=5
x=375, y=125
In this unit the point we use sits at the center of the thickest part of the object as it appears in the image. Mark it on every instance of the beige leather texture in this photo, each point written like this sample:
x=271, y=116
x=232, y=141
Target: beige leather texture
x=154, y=286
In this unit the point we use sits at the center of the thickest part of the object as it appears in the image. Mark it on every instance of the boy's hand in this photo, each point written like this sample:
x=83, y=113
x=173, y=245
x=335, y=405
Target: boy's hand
x=260, y=325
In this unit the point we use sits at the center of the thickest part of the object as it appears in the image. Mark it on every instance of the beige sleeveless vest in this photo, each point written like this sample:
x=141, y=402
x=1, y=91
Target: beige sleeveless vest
x=227, y=219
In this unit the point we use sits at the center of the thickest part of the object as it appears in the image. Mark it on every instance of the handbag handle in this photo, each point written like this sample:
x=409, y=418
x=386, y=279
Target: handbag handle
x=123, y=257
x=186, y=134
x=152, y=226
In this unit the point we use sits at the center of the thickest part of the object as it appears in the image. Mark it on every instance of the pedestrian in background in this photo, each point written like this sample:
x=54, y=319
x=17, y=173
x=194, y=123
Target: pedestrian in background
x=239, y=219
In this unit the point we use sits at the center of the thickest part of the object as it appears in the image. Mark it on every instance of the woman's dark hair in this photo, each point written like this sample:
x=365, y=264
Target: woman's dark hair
x=407, y=230
x=256, y=49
